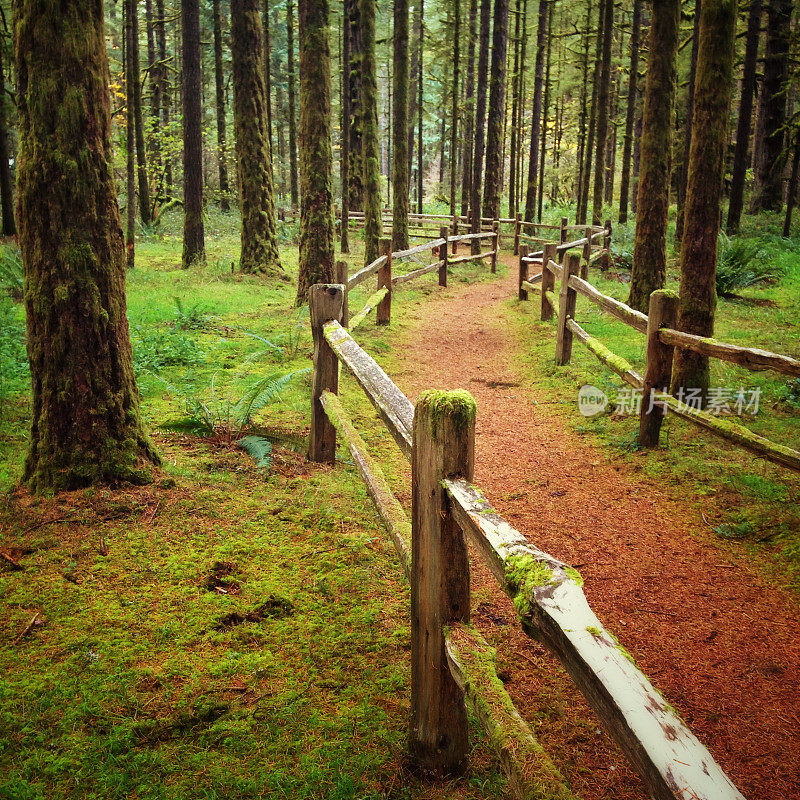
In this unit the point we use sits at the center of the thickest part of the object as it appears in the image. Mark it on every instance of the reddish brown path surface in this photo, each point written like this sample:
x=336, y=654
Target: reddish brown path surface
x=721, y=644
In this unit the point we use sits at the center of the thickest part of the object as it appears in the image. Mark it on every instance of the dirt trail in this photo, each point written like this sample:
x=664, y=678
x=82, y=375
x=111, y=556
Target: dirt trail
x=722, y=645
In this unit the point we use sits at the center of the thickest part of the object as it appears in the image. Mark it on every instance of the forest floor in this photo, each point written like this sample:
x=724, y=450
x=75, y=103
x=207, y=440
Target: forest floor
x=712, y=632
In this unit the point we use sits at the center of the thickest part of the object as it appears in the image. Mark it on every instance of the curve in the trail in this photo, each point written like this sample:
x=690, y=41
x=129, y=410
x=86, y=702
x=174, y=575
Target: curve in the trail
x=722, y=644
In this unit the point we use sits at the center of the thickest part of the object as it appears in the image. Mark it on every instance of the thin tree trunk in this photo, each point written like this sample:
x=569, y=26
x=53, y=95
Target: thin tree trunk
x=344, y=156
x=194, y=248
x=86, y=426
x=545, y=113
x=369, y=136
x=155, y=103
x=355, y=171
x=135, y=82
x=6, y=182
x=584, y=108
x=791, y=193
x=583, y=202
x=515, y=86
x=630, y=112
x=420, y=106
x=400, y=127
x=454, y=106
x=163, y=80
x=268, y=71
x=536, y=116
x=712, y=97
x=745, y=118
x=480, y=122
x=222, y=154
x=316, y=154
x=292, y=107
x=130, y=143
x=650, y=244
x=687, y=135
x=494, y=132
x=469, y=110
x=602, y=112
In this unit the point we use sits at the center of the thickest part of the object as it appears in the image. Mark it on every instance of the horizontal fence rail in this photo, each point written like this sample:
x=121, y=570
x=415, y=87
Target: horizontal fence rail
x=451, y=663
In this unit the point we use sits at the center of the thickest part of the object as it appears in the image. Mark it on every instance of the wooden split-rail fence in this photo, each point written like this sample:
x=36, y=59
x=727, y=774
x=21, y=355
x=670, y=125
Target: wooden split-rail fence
x=452, y=665
x=561, y=262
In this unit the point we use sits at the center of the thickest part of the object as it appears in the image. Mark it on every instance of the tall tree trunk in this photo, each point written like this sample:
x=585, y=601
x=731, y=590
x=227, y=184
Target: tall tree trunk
x=259, y=240
x=494, y=132
x=770, y=156
x=6, y=191
x=268, y=71
x=687, y=136
x=85, y=422
x=630, y=112
x=135, y=82
x=791, y=192
x=584, y=108
x=292, y=107
x=611, y=139
x=163, y=80
x=400, y=127
x=469, y=109
x=536, y=115
x=222, y=154
x=515, y=98
x=545, y=113
x=155, y=103
x=316, y=154
x=745, y=118
x=194, y=248
x=420, y=106
x=454, y=106
x=650, y=243
x=712, y=98
x=369, y=137
x=602, y=113
x=588, y=154
x=480, y=123
x=355, y=171
x=130, y=143
x=344, y=153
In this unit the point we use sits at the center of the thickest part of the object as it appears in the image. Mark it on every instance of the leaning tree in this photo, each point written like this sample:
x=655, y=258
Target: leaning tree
x=86, y=427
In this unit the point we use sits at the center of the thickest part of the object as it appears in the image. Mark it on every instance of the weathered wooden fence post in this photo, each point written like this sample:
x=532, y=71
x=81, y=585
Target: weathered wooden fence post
x=517, y=226
x=496, y=240
x=325, y=303
x=383, y=312
x=566, y=309
x=663, y=313
x=605, y=261
x=455, y=233
x=341, y=277
x=523, y=271
x=563, y=232
x=444, y=445
x=587, y=252
x=443, y=234
x=548, y=280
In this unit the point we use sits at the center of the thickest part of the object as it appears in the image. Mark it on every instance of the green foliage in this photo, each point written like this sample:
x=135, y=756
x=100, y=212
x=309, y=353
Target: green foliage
x=743, y=262
x=14, y=374
x=11, y=271
x=262, y=393
x=259, y=448
x=155, y=348
x=735, y=530
x=190, y=317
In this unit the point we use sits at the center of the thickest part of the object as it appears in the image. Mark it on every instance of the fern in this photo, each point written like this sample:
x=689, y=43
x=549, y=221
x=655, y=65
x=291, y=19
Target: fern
x=261, y=394
x=11, y=271
x=259, y=448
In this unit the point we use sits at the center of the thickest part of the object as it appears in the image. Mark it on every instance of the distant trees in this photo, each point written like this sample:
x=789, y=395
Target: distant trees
x=400, y=173
x=370, y=157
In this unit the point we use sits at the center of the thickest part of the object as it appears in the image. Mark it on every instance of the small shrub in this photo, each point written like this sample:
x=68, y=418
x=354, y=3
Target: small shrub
x=743, y=262
x=154, y=349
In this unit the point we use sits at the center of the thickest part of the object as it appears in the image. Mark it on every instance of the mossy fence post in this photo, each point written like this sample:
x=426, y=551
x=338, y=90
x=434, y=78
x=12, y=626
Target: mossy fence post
x=548, y=280
x=517, y=226
x=523, y=271
x=496, y=241
x=663, y=313
x=563, y=231
x=605, y=261
x=455, y=233
x=444, y=446
x=566, y=309
x=341, y=277
x=443, y=234
x=325, y=304
x=587, y=252
x=383, y=313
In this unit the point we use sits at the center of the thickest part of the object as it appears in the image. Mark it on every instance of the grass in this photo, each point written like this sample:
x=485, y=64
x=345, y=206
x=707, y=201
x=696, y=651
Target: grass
x=227, y=631
x=731, y=486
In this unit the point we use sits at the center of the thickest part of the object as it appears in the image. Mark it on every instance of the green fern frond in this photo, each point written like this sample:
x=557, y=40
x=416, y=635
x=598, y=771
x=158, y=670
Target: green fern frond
x=259, y=448
x=262, y=393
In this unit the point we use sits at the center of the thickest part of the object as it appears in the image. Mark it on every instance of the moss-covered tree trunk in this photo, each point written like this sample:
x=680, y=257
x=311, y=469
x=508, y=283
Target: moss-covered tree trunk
x=583, y=114
x=316, y=154
x=355, y=171
x=545, y=112
x=267, y=71
x=136, y=84
x=480, y=122
x=588, y=151
x=400, y=127
x=163, y=79
x=456, y=89
x=420, y=105
x=603, y=94
x=650, y=243
x=712, y=99
x=497, y=99
x=292, y=106
x=130, y=148
x=86, y=426
x=6, y=192
x=740, y=162
x=344, y=151
x=370, y=156
x=469, y=109
x=219, y=85
x=194, y=248
x=769, y=159
x=536, y=113
x=515, y=115
x=627, y=145
x=254, y=160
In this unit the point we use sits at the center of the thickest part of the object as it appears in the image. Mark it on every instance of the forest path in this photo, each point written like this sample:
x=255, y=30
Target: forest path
x=722, y=644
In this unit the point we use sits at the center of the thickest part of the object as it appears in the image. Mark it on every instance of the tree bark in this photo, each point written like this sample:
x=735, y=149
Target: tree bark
x=292, y=107
x=420, y=107
x=268, y=71
x=480, y=122
x=583, y=200
x=454, y=105
x=630, y=112
x=400, y=165
x=536, y=114
x=650, y=243
x=316, y=154
x=259, y=239
x=135, y=82
x=370, y=157
x=545, y=113
x=704, y=190
x=791, y=192
x=602, y=113
x=6, y=181
x=344, y=154
x=494, y=128
x=469, y=110
x=194, y=248
x=355, y=171
x=86, y=426
x=130, y=146
x=222, y=154
x=515, y=104
x=163, y=80
x=584, y=108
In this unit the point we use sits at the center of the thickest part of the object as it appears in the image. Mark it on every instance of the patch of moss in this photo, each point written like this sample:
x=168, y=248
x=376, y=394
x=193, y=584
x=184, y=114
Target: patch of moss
x=458, y=405
x=525, y=575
